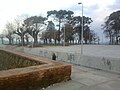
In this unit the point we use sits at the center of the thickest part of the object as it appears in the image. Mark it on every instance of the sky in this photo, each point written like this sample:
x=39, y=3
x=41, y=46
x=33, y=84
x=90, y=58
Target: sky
x=95, y=9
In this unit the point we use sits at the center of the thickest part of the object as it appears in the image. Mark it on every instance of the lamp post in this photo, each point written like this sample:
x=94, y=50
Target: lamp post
x=82, y=30
x=64, y=34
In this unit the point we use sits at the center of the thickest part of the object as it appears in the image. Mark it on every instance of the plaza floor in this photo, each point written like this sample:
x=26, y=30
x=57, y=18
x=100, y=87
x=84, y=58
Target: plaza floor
x=84, y=78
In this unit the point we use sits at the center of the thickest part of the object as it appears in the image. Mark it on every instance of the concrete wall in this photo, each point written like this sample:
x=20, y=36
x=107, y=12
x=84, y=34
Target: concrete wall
x=104, y=63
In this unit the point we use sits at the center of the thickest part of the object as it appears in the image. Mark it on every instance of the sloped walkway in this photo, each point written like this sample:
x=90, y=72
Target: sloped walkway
x=84, y=78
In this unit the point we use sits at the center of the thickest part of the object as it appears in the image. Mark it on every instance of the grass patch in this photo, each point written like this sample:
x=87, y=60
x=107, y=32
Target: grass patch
x=11, y=61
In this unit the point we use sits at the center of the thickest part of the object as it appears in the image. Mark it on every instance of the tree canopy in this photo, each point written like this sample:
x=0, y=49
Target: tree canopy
x=111, y=27
x=45, y=28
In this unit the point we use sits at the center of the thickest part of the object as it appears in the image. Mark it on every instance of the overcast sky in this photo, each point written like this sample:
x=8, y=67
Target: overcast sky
x=96, y=9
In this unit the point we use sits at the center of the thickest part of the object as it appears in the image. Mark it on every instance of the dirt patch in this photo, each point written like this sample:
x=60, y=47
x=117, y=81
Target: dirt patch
x=11, y=61
x=32, y=77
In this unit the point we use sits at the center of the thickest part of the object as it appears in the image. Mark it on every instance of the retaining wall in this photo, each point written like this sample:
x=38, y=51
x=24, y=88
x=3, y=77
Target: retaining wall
x=98, y=62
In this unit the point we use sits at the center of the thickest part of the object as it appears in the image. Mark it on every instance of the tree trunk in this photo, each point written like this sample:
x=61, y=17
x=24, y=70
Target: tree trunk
x=16, y=40
x=43, y=41
x=10, y=41
x=73, y=41
x=35, y=39
x=117, y=40
x=55, y=41
x=2, y=40
x=59, y=30
x=27, y=41
x=22, y=40
x=110, y=42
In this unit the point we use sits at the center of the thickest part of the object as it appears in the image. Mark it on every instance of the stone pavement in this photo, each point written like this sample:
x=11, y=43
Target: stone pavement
x=84, y=78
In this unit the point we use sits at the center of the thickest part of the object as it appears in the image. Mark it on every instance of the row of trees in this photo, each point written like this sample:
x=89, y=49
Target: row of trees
x=45, y=29
x=111, y=27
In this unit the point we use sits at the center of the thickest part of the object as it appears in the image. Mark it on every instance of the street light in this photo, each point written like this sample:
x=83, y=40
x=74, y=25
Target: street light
x=82, y=30
x=64, y=34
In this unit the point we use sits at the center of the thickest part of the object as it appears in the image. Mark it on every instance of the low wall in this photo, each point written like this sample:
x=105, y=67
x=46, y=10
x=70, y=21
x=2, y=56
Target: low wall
x=98, y=62
x=33, y=77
